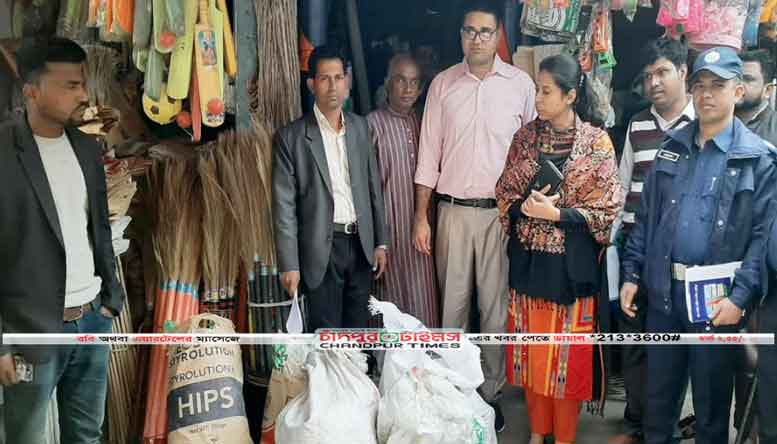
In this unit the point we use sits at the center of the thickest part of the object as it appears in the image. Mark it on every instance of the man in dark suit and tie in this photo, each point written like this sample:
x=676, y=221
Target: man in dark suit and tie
x=330, y=227
x=57, y=266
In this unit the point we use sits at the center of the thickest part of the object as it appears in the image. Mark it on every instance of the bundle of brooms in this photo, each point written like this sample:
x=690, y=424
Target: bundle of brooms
x=213, y=220
x=177, y=243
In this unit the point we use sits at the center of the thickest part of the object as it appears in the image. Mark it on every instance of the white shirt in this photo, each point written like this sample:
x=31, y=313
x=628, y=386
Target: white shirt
x=337, y=163
x=68, y=189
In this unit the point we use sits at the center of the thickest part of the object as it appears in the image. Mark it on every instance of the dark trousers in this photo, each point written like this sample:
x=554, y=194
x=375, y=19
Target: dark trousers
x=340, y=301
x=767, y=373
x=80, y=375
x=634, y=365
x=744, y=377
x=711, y=369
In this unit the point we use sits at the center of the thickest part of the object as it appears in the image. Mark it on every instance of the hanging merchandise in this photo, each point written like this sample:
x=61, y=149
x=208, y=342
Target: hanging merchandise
x=171, y=42
x=72, y=18
x=680, y=16
x=722, y=24
x=750, y=34
x=769, y=20
x=164, y=37
x=229, y=41
x=180, y=72
x=551, y=23
x=211, y=100
x=164, y=110
x=598, y=79
x=629, y=7
x=141, y=30
x=123, y=16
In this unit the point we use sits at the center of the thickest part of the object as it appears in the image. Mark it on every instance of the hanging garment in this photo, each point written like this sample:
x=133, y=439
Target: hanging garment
x=723, y=22
x=680, y=16
x=750, y=34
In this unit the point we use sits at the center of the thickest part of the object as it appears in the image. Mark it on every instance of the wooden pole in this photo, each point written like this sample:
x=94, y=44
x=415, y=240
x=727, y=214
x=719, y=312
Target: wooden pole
x=359, y=64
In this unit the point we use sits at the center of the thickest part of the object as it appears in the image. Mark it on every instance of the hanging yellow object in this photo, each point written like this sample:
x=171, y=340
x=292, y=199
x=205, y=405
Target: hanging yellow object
x=162, y=111
x=769, y=13
x=181, y=60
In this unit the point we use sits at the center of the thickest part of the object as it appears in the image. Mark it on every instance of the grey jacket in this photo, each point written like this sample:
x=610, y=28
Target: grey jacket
x=303, y=206
x=32, y=252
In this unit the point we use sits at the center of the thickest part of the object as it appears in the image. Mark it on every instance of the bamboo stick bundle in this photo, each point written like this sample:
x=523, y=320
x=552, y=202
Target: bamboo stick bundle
x=123, y=376
x=277, y=83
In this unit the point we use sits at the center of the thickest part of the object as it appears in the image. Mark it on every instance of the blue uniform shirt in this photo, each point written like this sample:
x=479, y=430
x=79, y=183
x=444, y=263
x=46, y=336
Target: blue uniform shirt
x=699, y=202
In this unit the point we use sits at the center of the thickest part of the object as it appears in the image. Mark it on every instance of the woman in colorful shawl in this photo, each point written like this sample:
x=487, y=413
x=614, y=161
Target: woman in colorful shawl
x=555, y=240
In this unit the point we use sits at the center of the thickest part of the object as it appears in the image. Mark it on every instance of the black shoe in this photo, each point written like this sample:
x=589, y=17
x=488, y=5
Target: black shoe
x=499, y=419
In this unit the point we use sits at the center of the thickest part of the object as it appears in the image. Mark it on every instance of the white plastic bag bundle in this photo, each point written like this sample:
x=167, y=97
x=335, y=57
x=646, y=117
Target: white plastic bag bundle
x=431, y=399
x=288, y=379
x=338, y=406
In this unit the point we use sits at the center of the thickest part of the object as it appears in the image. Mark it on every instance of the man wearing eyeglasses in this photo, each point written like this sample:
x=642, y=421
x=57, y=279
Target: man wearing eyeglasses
x=705, y=202
x=473, y=109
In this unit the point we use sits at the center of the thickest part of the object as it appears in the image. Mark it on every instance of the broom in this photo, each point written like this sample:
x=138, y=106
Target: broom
x=277, y=83
x=176, y=244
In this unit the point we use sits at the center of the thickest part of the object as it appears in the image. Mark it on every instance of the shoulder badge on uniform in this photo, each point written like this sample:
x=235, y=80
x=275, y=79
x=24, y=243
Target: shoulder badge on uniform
x=668, y=155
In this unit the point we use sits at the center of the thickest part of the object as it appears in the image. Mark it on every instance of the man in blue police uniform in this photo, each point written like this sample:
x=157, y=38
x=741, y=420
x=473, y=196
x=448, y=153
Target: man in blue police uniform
x=703, y=203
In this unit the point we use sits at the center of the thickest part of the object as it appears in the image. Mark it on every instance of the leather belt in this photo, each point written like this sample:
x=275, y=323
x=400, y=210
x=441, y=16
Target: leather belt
x=75, y=313
x=350, y=229
x=472, y=203
x=678, y=271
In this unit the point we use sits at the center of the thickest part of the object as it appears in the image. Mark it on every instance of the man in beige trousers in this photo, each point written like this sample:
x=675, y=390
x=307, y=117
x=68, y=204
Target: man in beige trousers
x=473, y=109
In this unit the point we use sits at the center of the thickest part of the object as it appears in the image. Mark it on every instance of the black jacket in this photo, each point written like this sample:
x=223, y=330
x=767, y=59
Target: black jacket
x=303, y=206
x=32, y=254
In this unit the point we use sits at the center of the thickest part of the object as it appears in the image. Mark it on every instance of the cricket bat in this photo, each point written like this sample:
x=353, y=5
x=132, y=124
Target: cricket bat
x=181, y=60
x=218, y=29
x=211, y=104
x=164, y=38
x=141, y=29
x=152, y=82
x=229, y=42
x=175, y=16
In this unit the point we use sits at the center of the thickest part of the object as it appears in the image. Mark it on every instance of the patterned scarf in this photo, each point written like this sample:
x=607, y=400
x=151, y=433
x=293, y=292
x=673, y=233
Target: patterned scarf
x=590, y=184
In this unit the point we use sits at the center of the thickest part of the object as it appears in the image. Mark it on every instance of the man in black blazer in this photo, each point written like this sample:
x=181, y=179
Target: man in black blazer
x=57, y=266
x=330, y=227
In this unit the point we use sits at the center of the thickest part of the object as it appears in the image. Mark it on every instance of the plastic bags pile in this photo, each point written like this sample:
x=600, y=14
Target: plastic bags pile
x=431, y=398
x=339, y=405
x=424, y=397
